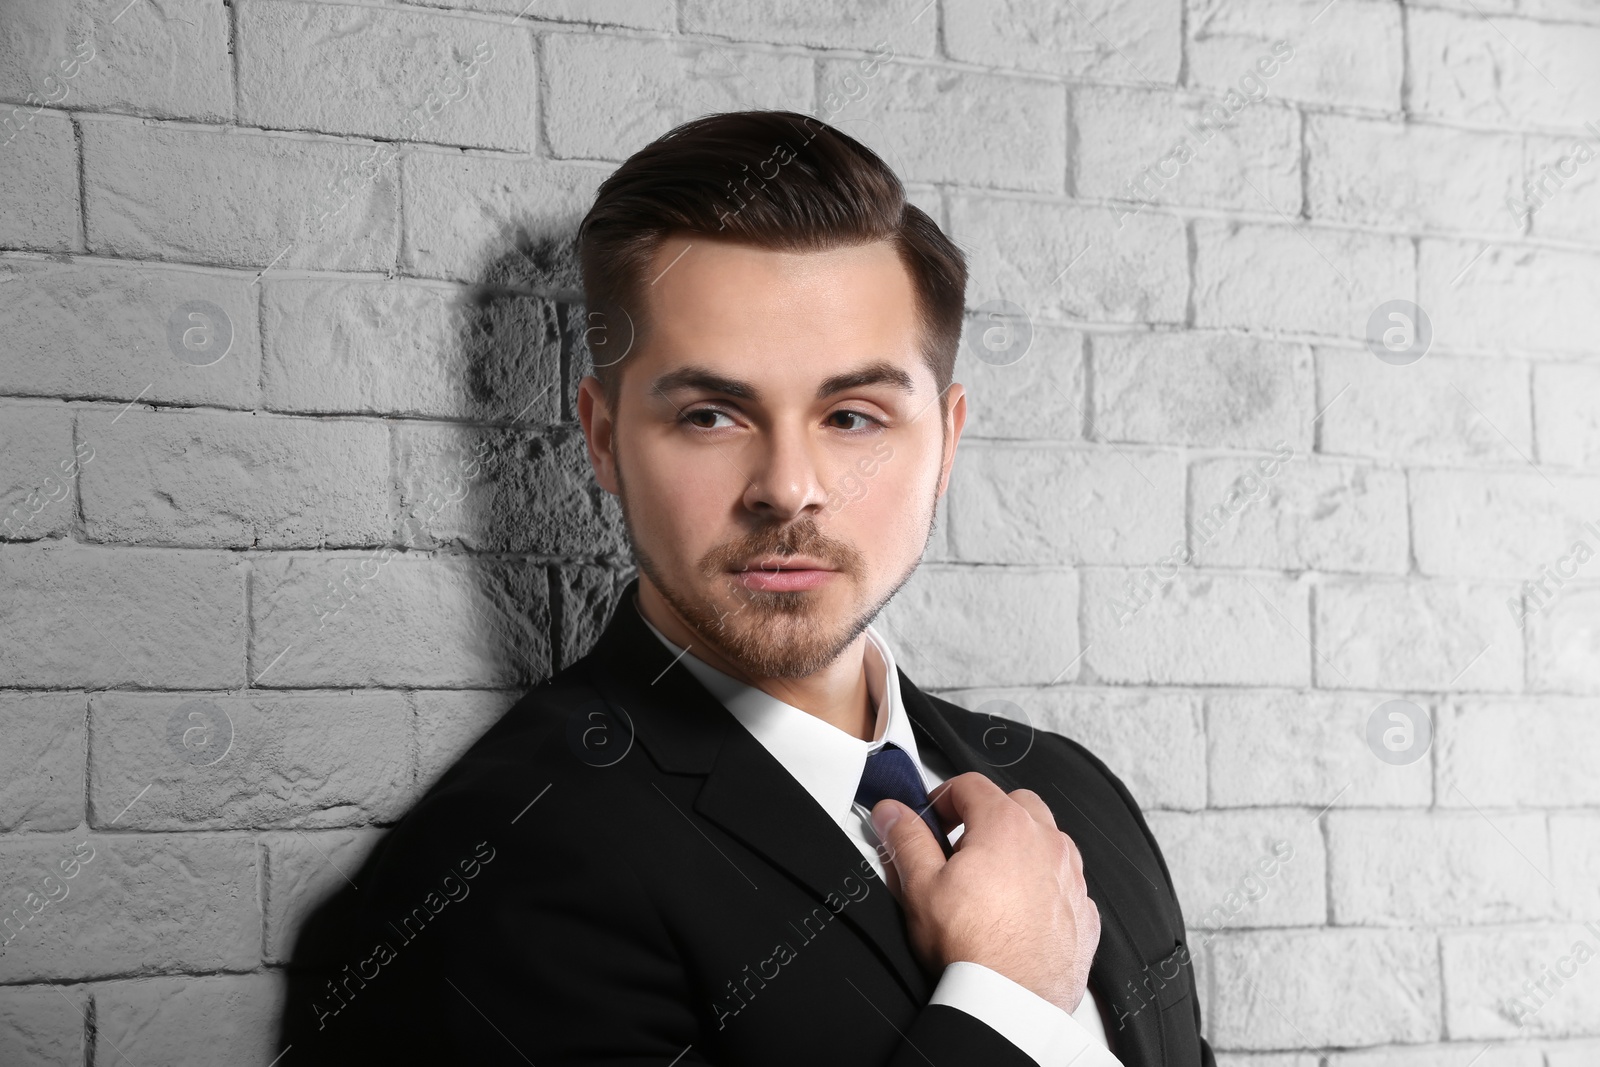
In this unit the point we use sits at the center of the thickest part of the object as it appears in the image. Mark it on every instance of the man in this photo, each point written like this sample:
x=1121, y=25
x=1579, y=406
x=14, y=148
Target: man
x=735, y=832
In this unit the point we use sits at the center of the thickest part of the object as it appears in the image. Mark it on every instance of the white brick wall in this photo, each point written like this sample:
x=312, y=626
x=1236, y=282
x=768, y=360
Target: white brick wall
x=334, y=536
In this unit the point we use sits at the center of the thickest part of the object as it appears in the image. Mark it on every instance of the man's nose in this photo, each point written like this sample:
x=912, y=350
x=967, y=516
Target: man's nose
x=786, y=475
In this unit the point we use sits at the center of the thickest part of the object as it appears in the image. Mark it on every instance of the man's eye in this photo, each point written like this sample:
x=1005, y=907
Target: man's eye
x=867, y=420
x=691, y=417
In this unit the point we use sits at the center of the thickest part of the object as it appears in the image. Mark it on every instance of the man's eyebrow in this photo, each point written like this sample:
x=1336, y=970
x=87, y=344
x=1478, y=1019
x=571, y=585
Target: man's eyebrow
x=881, y=372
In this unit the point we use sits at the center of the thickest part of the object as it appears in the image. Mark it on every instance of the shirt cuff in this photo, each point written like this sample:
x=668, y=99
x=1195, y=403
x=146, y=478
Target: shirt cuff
x=1045, y=1032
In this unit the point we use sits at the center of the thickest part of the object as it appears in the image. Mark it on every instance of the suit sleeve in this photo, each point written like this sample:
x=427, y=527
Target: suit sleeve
x=1046, y=1032
x=1207, y=1057
x=552, y=953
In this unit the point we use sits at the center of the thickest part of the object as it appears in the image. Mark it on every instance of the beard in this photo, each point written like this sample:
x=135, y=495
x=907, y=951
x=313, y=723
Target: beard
x=769, y=633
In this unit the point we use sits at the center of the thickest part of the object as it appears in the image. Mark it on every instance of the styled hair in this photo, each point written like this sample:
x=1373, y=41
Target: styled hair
x=776, y=180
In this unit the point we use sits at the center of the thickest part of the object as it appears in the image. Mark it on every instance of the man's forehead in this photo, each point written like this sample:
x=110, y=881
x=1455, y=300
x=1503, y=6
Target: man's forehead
x=698, y=376
x=747, y=322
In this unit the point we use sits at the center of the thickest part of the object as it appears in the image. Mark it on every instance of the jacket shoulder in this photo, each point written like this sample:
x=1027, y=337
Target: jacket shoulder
x=1053, y=755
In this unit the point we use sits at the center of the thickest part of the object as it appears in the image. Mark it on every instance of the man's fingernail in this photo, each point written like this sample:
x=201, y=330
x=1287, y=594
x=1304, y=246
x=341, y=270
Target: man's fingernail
x=883, y=821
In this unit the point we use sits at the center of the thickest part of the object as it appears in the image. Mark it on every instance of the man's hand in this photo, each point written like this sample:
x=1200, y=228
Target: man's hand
x=1012, y=897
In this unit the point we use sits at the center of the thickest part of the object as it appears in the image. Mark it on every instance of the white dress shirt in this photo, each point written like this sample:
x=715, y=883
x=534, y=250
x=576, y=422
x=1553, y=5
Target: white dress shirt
x=828, y=763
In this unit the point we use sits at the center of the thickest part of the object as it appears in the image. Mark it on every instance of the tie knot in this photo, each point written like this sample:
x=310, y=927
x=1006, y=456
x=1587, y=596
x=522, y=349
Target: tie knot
x=890, y=773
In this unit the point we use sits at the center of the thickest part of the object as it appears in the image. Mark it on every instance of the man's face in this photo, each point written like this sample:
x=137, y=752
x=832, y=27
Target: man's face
x=777, y=446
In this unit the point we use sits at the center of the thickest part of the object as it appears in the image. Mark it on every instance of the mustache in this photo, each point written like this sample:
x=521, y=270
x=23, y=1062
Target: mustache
x=797, y=539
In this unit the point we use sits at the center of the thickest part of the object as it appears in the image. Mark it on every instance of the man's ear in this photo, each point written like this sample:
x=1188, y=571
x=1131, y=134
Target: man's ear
x=599, y=432
x=955, y=418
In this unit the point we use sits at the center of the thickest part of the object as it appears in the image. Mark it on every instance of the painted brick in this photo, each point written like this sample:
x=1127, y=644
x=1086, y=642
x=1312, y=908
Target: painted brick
x=587, y=117
x=1170, y=640
x=1575, y=862
x=38, y=471
x=1492, y=992
x=1503, y=524
x=1345, y=54
x=1032, y=504
x=222, y=1018
x=60, y=318
x=1518, y=753
x=1440, y=409
x=448, y=723
x=38, y=184
x=400, y=349
x=473, y=218
x=78, y=616
x=1270, y=747
x=1098, y=39
x=905, y=25
x=1328, y=283
x=529, y=493
x=43, y=1025
x=1127, y=141
x=303, y=870
x=1067, y=261
x=1153, y=740
x=1508, y=71
x=1439, y=1056
x=227, y=762
x=1564, y=645
x=1453, y=180
x=589, y=594
x=1509, y=298
x=1236, y=870
x=41, y=765
x=1569, y=420
x=1441, y=635
x=598, y=12
x=235, y=480
x=1389, y=985
x=269, y=200
x=1560, y=187
x=1407, y=869
x=1037, y=395
x=1215, y=390
x=1312, y=514
x=170, y=60
x=345, y=619
x=393, y=73
x=141, y=904
x=960, y=626
x=937, y=125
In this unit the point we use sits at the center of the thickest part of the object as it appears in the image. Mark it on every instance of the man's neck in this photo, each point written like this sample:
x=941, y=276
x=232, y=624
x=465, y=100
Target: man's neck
x=837, y=694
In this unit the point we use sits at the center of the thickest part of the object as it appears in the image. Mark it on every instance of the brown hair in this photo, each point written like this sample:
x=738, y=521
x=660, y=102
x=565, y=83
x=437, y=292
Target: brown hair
x=714, y=176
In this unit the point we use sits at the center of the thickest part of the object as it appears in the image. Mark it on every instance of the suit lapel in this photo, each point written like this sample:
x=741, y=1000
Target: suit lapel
x=751, y=796
x=747, y=792
x=1117, y=957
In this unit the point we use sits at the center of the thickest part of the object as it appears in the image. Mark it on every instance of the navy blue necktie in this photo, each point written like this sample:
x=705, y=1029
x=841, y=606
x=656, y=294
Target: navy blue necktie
x=890, y=773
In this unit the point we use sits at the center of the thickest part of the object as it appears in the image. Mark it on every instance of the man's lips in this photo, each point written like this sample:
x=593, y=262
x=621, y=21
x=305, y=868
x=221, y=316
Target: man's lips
x=786, y=563
x=788, y=576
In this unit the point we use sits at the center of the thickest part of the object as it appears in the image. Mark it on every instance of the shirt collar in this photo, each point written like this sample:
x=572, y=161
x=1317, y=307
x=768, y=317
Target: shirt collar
x=826, y=761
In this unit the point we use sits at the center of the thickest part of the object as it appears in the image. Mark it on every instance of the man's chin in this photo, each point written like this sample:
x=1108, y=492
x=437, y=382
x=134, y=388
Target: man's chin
x=778, y=634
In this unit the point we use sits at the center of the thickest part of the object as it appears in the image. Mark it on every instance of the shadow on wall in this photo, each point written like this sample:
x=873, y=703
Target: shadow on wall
x=539, y=556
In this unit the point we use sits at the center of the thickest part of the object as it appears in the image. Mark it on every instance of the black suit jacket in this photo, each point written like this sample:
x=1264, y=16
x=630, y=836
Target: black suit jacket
x=617, y=872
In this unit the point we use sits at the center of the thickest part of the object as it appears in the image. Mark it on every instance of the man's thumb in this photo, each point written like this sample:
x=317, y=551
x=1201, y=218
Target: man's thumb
x=908, y=845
